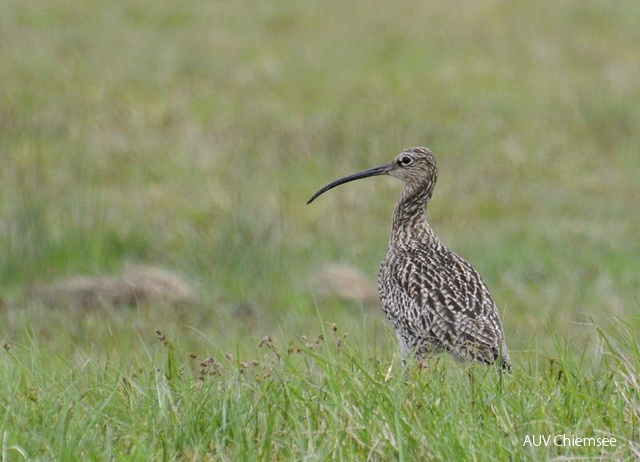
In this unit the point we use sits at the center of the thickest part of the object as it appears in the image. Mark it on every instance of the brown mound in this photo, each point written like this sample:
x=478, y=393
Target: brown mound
x=138, y=284
x=347, y=282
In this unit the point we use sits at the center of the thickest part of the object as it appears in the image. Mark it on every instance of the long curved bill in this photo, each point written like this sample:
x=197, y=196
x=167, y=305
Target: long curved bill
x=381, y=170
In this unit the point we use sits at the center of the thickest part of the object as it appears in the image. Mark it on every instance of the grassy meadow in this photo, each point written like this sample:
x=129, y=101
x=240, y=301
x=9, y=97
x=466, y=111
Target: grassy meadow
x=187, y=136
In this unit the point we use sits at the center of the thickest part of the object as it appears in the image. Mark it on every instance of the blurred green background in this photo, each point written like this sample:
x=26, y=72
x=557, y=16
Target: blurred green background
x=189, y=135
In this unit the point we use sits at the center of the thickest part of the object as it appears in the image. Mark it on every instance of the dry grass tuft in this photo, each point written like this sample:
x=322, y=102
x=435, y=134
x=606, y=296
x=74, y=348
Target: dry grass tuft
x=347, y=282
x=136, y=285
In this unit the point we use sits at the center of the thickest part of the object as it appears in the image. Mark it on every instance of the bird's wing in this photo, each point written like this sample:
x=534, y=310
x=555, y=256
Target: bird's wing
x=448, y=303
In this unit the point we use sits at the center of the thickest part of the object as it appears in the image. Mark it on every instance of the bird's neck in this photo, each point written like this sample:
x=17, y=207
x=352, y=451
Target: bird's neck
x=410, y=219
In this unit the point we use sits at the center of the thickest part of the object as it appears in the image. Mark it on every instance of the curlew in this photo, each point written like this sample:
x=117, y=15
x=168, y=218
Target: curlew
x=434, y=299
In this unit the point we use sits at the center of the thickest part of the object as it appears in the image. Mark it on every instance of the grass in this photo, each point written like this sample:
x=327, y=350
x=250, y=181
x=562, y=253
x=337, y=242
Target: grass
x=312, y=399
x=189, y=136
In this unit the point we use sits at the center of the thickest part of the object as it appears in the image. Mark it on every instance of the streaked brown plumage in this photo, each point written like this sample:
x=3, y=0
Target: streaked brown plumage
x=435, y=300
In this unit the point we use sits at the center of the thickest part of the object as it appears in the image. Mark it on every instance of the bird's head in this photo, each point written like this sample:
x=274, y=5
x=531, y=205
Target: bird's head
x=417, y=167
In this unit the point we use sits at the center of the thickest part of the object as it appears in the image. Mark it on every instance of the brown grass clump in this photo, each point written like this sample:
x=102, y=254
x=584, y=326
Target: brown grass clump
x=136, y=285
x=347, y=282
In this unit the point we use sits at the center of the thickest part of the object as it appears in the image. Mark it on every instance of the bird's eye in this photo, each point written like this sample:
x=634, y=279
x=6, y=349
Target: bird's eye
x=406, y=160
